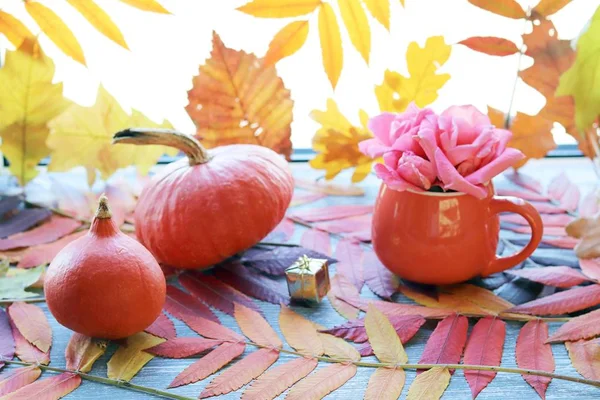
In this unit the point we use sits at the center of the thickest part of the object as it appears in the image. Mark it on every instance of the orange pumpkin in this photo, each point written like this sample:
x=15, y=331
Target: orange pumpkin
x=210, y=205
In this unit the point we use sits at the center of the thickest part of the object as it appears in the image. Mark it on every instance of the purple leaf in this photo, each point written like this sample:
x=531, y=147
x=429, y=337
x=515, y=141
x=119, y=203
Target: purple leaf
x=275, y=262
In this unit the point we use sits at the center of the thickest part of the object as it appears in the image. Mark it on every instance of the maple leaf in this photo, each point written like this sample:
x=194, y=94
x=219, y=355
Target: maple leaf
x=336, y=143
x=236, y=98
x=29, y=101
x=421, y=86
x=83, y=136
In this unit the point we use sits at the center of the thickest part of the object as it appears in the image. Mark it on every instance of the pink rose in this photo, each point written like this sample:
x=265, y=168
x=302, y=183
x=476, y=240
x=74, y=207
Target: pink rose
x=405, y=170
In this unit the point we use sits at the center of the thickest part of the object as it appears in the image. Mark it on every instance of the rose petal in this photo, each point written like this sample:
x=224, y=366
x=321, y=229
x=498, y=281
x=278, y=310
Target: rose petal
x=415, y=170
x=453, y=180
x=496, y=166
x=381, y=126
x=469, y=114
x=390, y=159
x=503, y=137
x=372, y=148
x=393, y=180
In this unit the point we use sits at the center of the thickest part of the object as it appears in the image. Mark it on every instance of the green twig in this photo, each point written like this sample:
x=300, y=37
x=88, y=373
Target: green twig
x=276, y=244
x=24, y=300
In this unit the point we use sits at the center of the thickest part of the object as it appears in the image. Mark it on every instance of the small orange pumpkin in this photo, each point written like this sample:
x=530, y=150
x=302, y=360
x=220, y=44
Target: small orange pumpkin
x=213, y=204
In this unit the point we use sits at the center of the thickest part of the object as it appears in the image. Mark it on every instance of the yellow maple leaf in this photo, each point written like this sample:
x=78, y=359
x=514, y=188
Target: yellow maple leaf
x=235, y=98
x=421, y=86
x=29, y=100
x=582, y=80
x=83, y=136
x=336, y=143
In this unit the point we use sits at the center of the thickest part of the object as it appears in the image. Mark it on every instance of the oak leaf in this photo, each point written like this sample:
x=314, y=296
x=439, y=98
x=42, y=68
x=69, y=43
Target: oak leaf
x=429, y=385
x=533, y=353
x=128, y=360
x=236, y=98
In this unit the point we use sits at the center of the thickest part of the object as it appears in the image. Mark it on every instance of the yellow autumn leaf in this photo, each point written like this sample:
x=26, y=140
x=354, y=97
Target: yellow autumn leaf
x=383, y=337
x=421, y=86
x=582, y=80
x=357, y=25
x=429, y=385
x=100, y=20
x=13, y=29
x=147, y=5
x=29, y=101
x=287, y=41
x=128, y=360
x=83, y=136
x=385, y=384
x=56, y=30
x=338, y=348
x=279, y=8
x=336, y=143
x=331, y=44
x=380, y=10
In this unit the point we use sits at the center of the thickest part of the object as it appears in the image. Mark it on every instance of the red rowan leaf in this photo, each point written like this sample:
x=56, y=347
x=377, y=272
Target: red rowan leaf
x=215, y=293
x=562, y=277
x=316, y=240
x=533, y=353
x=547, y=208
x=350, y=224
x=390, y=309
x=589, y=205
x=361, y=236
x=242, y=372
x=82, y=352
x=32, y=323
x=182, y=306
x=329, y=188
x=49, y=232
x=52, y=388
x=275, y=262
x=181, y=347
x=385, y=384
x=256, y=328
x=17, y=378
x=303, y=198
x=493, y=46
x=565, y=192
x=523, y=194
x=314, y=214
x=548, y=230
x=252, y=283
x=275, y=381
x=525, y=181
x=585, y=357
x=26, y=351
x=582, y=327
x=350, y=262
x=591, y=268
x=446, y=343
x=568, y=301
x=7, y=343
x=23, y=220
x=484, y=347
x=563, y=242
x=209, y=364
x=162, y=327
x=342, y=287
x=378, y=278
x=322, y=382
x=45, y=253
x=406, y=327
x=286, y=227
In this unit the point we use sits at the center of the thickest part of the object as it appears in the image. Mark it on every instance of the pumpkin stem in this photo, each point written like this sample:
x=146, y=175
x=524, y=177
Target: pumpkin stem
x=103, y=211
x=195, y=152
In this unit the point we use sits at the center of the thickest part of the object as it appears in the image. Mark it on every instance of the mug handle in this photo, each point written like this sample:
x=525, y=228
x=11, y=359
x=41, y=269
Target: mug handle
x=500, y=204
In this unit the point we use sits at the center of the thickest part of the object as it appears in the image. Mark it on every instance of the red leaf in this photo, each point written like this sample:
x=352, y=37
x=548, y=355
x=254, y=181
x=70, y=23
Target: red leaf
x=562, y=277
x=17, y=378
x=184, y=306
x=82, y=352
x=494, y=46
x=548, y=230
x=181, y=347
x=378, y=278
x=316, y=240
x=7, y=343
x=286, y=227
x=52, y=388
x=26, y=351
x=446, y=343
x=275, y=262
x=549, y=220
x=585, y=357
x=591, y=268
x=344, y=225
x=562, y=243
x=314, y=214
x=51, y=231
x=322, y=382
x=532, y=353
x=215, y=293
x=252, y=284
x=564, y=191
x=256, y=328
x=523, y=194
x=304, y=198
x=405, y=325
x=484, y=348
x=163, y=327
x=209, y=364
x=341, y=287
x=564, y=302
x=44, y=253
x=32, y=323
x=547, y=208
x=589, y=205
x=350, y=262
x=583, y=327
x=390, y=309
x=244, y=371
x=277, y=380
x=524, y=181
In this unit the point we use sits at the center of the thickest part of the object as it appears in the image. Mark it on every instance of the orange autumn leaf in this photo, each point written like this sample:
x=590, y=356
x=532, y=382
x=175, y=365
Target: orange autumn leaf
x=300, y=333
x=477, y=295
x=14, y=30
x=331, y=43
x=235, y=98
x=32, y=323
x=275, y=381
x=493, y=46
x=585, y=357
x=549, y=7
x=338, y=348
x=383, y=337
x=279, y=8
x=287, y=41
x=322, y=382
x=505, y=8
x=341, y=287
x=254, y=326
x=82, y=351
x=444, y=301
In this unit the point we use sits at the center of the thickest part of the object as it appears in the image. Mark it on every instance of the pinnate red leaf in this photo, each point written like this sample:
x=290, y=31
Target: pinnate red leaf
x=7, y=343
x=286, y=228
x=307, y=197
x=244, y=371
x=589, y=205
x=316, y=240
x=493, y=46
x=378, y=278
x=562, y=277
x=32, y=323
x=562, y=243
x=26, y=351
x=300, y=333
x=564, y=302
x=565, y=192
x=322, y=382
x=350, y=262
x=278, y=379
x=82, y=351
x=533, y=353
x=585, y=357
x=162, y=327
x=18, y=378
x=357, y=223
x=51, y=231
x=447, y=341
x=45, y=253
x=254, y=326
x=406, y=327
x=392, y=309
x=252, y=283
x=523, y=194
x=181, y=347
x=547, y=208
x=385, y=384
x=525, y=181
x=183, y=306
x=591, y=268
x=484, y=347
x=209, y=364
x=341, y=287
x=582, y=327
x=314, y=214
x=52, y=388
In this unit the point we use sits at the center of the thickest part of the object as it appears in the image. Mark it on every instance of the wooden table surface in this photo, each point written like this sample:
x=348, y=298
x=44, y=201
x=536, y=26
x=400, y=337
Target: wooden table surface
x=160, y=372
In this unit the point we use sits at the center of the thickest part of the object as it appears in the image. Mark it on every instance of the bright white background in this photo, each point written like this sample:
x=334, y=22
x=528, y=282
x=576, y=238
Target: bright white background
x=166, y=51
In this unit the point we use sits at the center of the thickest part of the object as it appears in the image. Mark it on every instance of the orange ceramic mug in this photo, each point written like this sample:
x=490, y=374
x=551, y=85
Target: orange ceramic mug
x=445, y=238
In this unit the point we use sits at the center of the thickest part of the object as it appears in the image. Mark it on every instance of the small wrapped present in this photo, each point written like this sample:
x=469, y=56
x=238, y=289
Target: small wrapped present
x=308, y=279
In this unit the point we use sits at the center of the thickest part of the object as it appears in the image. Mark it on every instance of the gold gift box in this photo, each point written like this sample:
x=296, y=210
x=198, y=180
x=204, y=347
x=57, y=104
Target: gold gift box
x=308, y=279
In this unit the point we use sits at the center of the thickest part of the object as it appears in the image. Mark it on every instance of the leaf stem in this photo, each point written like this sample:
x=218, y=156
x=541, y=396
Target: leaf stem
x=514, y=89
x=105, y=381
x=24, y=300
x=276, y=244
